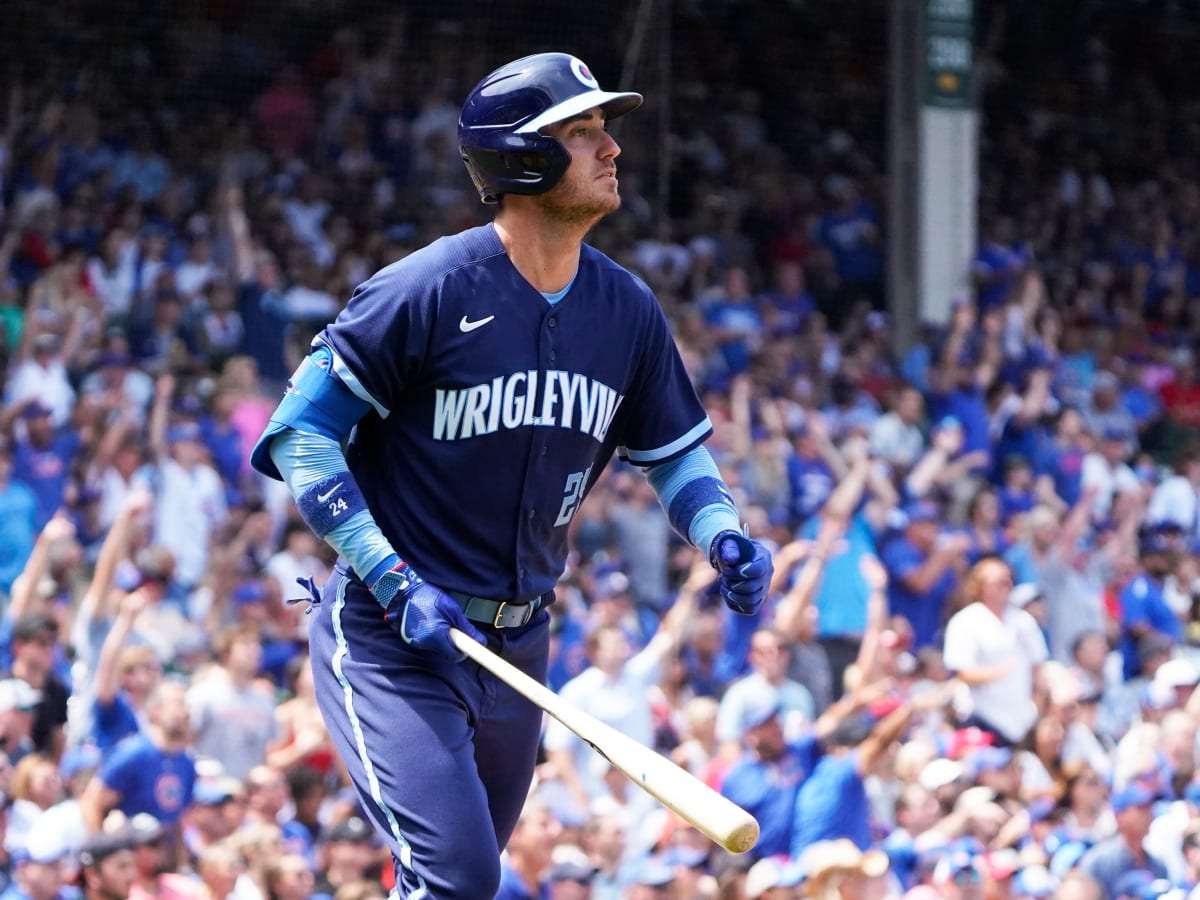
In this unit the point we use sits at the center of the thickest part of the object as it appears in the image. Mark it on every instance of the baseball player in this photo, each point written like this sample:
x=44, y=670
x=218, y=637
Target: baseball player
x=441, y=435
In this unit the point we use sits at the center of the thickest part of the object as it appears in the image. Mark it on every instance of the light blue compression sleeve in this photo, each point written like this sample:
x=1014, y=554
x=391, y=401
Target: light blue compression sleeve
x=303, y=446
x=696, y=499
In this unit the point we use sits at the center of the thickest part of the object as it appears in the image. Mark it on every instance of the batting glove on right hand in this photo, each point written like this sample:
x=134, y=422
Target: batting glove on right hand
x=744, y=570
x=421, y=613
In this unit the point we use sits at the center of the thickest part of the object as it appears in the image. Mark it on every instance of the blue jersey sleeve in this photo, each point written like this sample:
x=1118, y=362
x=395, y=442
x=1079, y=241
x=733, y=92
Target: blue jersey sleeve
x=1135, y=604
x=900, y=558
x=380, y=340
x=121, y=770
x=666, y=418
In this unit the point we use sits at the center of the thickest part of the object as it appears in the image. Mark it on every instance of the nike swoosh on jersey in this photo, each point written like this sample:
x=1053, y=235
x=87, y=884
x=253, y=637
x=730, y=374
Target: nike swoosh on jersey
x=321, y=498
x=465, y=326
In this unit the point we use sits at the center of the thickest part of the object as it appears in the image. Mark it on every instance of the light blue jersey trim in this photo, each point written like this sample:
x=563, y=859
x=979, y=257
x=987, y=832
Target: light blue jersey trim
x=351, y=381
x=342, y=651
x=308, y=459
x=555, y=297
x=648, y=457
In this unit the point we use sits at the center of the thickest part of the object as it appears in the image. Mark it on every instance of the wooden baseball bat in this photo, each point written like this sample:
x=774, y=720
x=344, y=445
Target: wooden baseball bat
x=715, y=816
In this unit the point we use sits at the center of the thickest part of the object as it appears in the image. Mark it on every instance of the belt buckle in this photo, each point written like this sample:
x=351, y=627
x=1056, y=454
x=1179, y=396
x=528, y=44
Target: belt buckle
x=499, y=614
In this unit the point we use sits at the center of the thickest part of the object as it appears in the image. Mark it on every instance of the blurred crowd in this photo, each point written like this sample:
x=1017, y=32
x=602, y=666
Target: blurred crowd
x=977, y=675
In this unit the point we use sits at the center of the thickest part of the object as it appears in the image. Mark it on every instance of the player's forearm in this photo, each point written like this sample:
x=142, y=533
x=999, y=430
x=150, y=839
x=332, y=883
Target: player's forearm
x=330, y=501
x=695, y=497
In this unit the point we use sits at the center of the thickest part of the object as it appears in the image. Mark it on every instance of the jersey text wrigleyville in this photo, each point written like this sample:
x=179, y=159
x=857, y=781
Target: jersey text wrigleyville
x=521, y=400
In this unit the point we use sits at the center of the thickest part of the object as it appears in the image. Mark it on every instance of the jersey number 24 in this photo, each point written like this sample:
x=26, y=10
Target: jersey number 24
x=572, y=494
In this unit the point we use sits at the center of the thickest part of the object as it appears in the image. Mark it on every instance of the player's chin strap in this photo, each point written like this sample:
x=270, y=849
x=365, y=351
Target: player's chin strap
x=313, y=599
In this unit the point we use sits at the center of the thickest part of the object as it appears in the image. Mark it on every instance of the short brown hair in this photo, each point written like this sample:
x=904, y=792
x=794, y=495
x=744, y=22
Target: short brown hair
x=228, y=636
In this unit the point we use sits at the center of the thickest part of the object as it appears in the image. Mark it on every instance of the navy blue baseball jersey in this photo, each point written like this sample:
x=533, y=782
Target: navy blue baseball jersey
x=495, y=411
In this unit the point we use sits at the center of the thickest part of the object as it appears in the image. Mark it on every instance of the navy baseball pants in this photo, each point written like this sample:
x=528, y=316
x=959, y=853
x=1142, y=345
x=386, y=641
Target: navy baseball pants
x=441, y=754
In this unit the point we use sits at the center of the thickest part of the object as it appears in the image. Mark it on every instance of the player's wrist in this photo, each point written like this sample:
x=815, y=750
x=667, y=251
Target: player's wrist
x=387, y=564
x=398, y=581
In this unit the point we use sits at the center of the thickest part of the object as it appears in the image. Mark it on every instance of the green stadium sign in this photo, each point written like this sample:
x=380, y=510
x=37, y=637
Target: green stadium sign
x=949, y=53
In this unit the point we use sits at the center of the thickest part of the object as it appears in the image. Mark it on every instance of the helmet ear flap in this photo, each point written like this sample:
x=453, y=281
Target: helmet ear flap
x=531, y=162
x=535, y=169
x=499, y=128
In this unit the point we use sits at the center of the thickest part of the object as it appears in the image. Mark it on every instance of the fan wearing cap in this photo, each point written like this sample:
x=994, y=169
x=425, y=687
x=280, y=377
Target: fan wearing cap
x=924, y=564
x=650, y=878
x=772, y=878
x=106, y=867
x=40, y=867
x=349, y=852
x=18, y=703
x=217, y=810
x=152, y=863
x=42, y=456
x=42, y=375
x=570, y=879
x=1132, y=804
x=767, y=777
x=956, y=392
x=767, y=677
x=838, y=870
x=1144, y=608
x=35, y=641
x=832, y=802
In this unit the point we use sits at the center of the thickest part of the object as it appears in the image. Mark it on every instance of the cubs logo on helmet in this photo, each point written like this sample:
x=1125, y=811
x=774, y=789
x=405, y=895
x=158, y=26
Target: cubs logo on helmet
x=499, y=128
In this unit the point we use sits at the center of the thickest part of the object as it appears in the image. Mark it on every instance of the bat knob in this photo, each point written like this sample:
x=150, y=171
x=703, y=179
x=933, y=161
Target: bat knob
x=743, y=837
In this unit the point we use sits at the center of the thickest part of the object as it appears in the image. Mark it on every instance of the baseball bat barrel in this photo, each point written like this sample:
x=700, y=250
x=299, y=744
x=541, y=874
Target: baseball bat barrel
x=716, y=816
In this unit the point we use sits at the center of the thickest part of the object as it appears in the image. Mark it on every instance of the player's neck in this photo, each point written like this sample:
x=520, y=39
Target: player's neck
x=547, y=259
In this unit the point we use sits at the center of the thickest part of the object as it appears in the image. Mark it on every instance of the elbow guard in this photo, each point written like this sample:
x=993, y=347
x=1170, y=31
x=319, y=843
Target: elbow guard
x=316, y=401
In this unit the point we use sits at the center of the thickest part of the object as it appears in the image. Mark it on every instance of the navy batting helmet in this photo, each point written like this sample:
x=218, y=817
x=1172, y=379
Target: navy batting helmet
x=498, y=128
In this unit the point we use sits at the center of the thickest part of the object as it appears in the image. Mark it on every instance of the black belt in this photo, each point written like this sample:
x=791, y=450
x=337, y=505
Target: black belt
x=499, y=613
